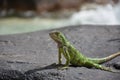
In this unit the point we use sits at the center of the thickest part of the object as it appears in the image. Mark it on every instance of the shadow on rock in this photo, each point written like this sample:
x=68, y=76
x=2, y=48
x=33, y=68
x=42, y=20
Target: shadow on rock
x=52, y=66
x=46, y=73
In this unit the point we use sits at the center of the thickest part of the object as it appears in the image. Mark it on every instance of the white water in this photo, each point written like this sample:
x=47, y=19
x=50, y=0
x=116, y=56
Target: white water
x=99, y=15
x=94, y=15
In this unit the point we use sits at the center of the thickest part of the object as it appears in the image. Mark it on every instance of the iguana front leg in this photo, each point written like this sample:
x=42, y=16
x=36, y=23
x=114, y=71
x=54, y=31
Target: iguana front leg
x=67, y=57
x=59, y=56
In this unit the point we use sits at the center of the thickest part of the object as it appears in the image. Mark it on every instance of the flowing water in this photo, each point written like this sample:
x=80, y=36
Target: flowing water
x=89, y=14
x=98, y=15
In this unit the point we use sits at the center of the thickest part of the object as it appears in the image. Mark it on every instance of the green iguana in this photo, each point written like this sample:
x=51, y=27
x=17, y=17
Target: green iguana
x=76, y=58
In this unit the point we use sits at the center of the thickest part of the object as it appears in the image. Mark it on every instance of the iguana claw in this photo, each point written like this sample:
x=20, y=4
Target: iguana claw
x=63, y=67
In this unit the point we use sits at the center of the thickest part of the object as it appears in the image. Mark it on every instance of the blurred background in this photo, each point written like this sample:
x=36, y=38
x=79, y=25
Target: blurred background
x=19, y=16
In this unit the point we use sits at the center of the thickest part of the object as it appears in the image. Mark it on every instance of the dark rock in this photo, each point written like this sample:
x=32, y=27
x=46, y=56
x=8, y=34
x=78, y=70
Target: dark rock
x=11, y=75
x=30, y=56
x=77, y=73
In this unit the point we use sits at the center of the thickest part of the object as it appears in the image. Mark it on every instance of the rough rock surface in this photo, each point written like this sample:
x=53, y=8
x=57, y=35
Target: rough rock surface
x=31, y=56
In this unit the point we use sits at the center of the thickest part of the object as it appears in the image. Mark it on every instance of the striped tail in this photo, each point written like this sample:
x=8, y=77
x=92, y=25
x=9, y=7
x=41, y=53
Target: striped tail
x=103, y=60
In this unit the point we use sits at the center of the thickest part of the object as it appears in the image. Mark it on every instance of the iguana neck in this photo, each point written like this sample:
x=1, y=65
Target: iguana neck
x=64, y=43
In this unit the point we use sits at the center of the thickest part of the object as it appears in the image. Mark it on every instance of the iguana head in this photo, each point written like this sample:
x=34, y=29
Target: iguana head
x=58, y=37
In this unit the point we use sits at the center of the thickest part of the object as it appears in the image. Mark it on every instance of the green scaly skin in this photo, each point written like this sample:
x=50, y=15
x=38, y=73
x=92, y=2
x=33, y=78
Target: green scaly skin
x=76, y=58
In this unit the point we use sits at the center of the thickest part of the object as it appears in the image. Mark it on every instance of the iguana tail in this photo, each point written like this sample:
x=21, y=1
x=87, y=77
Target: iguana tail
x=103, y=60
